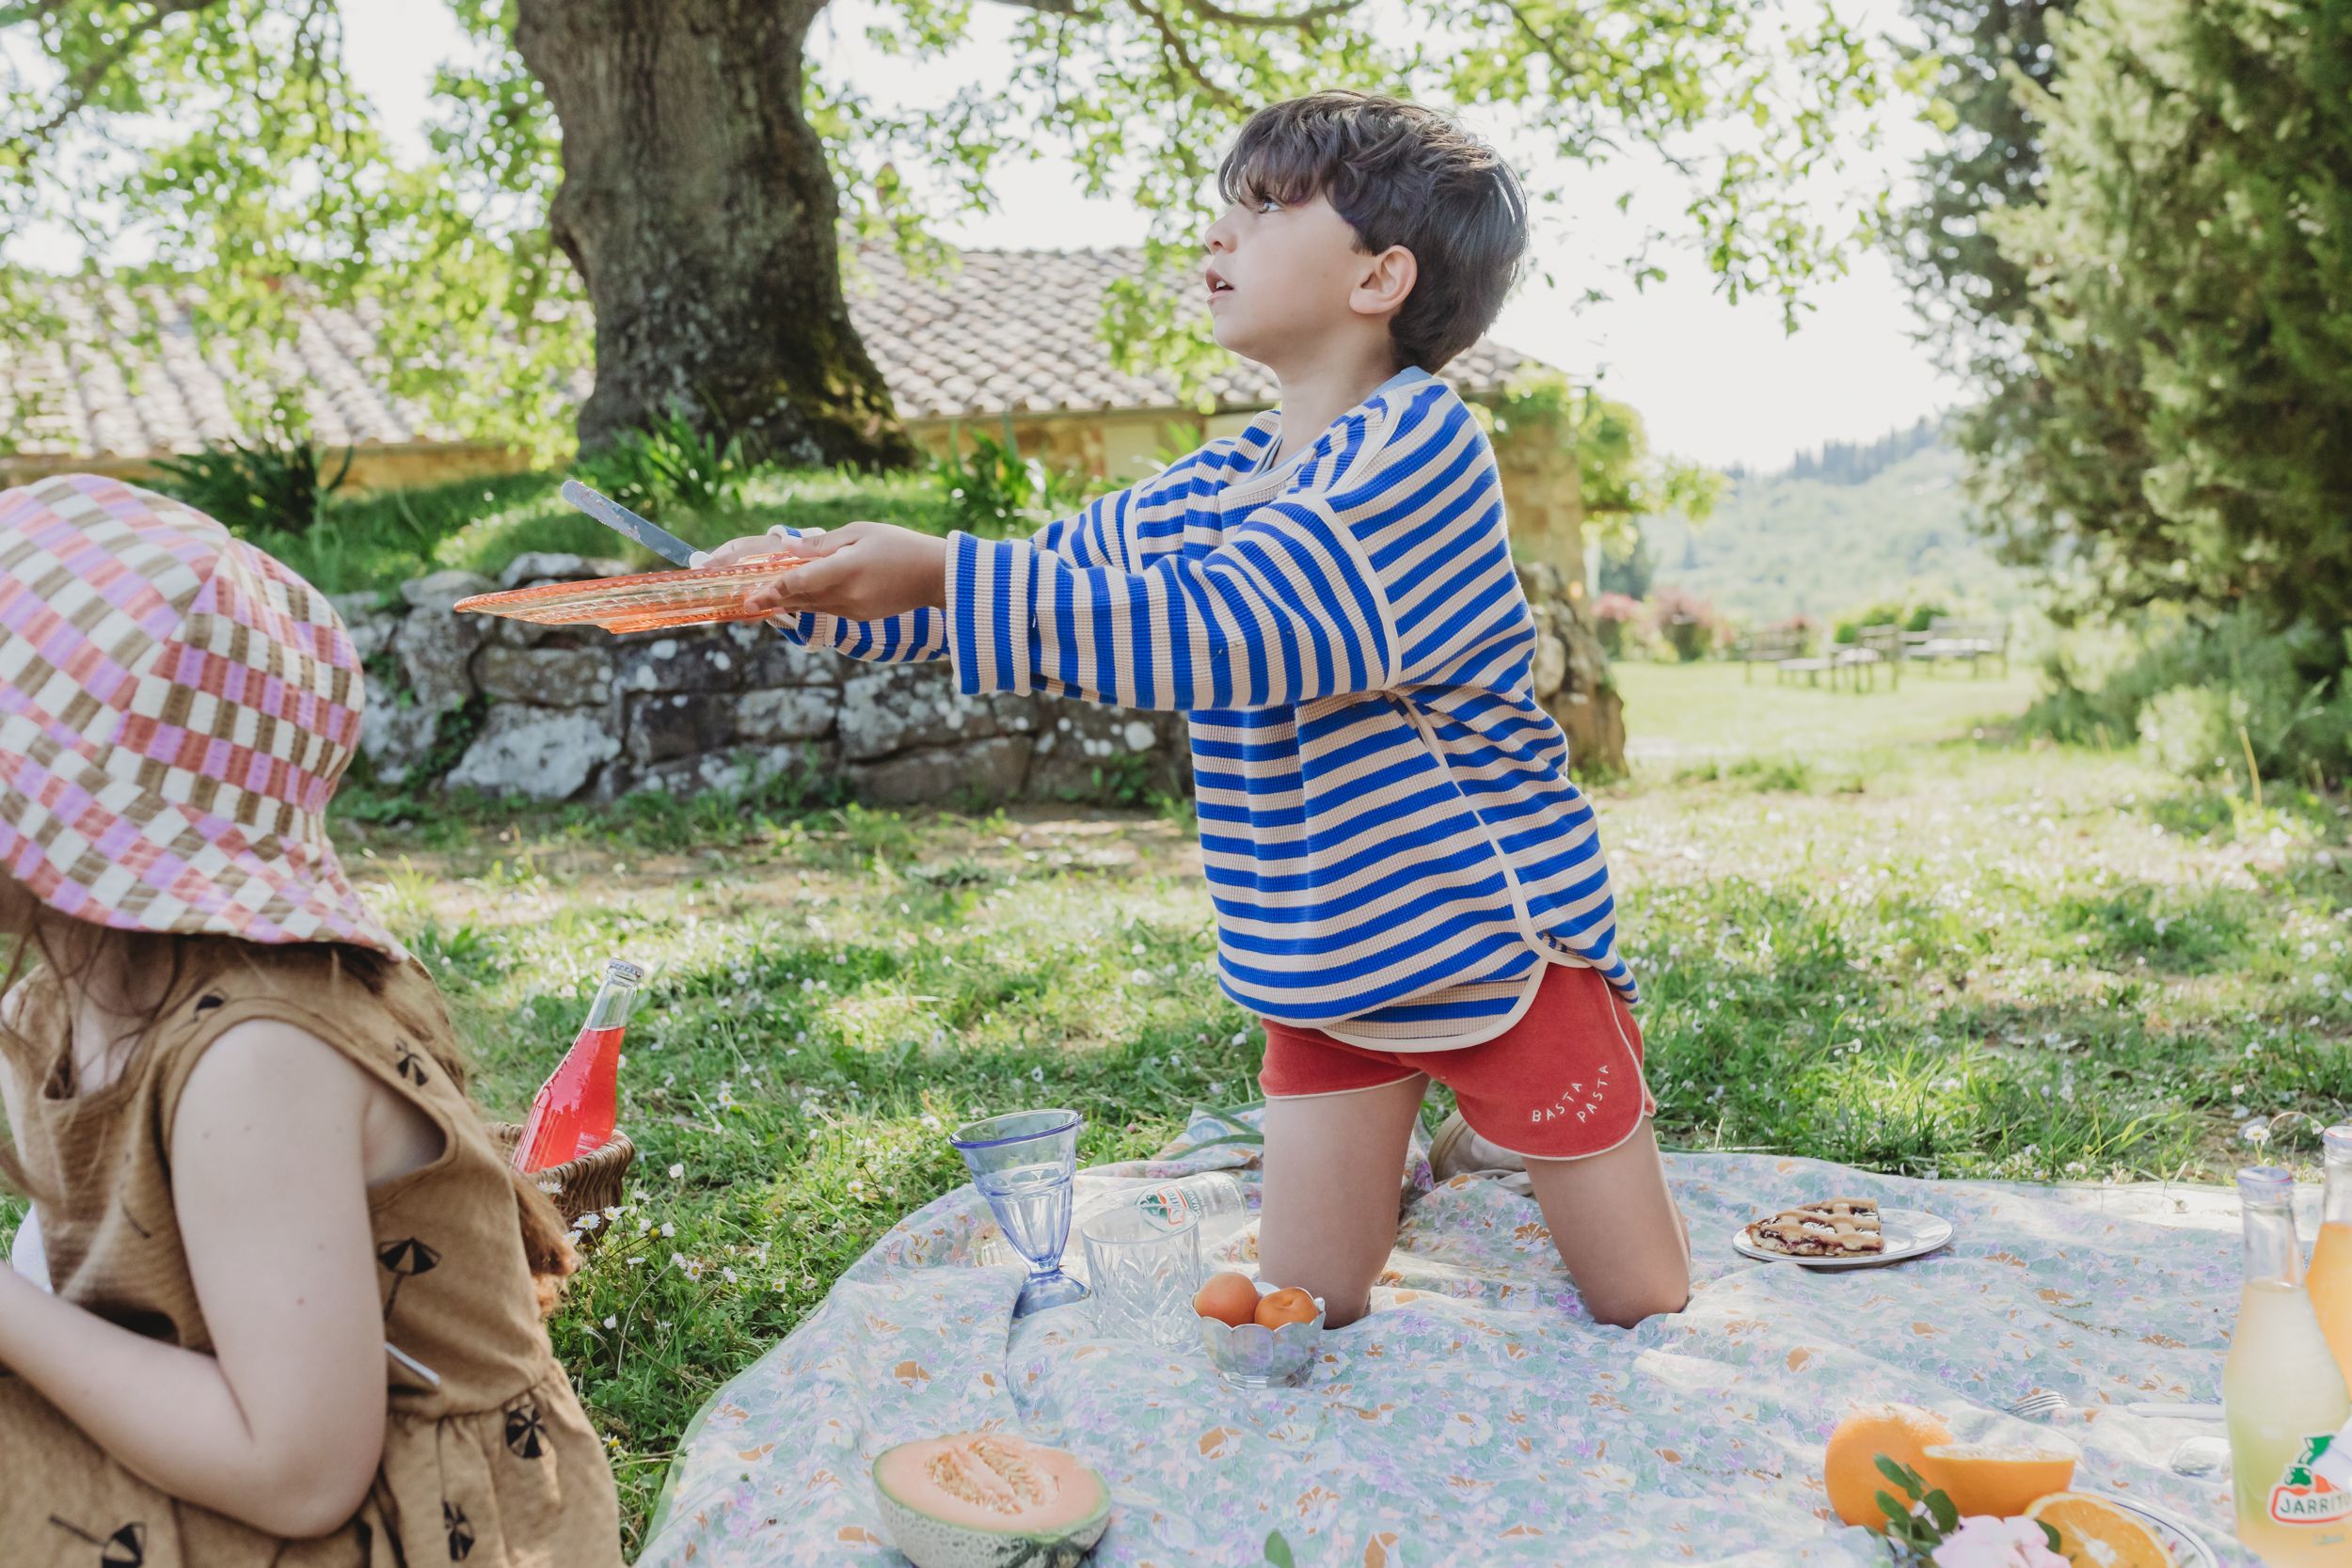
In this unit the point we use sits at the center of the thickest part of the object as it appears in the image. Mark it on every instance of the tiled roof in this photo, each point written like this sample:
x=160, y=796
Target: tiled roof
x=102, y=390
x=1005, y=330
x=1021, y=329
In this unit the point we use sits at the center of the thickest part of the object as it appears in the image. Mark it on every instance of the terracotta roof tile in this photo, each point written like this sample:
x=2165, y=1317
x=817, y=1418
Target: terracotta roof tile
x=995, y=330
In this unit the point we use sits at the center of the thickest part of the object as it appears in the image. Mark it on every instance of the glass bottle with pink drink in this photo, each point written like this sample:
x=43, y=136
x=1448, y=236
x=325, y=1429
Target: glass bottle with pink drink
x=580, y=1103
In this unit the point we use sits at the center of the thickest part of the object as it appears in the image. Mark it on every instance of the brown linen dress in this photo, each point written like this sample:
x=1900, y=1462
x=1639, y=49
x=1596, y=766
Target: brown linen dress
x=498, y=1466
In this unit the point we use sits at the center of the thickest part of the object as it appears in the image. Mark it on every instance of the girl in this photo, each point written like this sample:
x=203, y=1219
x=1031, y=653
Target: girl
x=296, y=1318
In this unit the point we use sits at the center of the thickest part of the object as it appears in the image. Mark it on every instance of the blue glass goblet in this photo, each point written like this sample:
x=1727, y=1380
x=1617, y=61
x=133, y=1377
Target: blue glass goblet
x=1023, y=1162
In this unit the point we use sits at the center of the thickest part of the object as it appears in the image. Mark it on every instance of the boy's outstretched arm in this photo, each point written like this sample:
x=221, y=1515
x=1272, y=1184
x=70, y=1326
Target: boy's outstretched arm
x=1096, y=534
x=1287, y=609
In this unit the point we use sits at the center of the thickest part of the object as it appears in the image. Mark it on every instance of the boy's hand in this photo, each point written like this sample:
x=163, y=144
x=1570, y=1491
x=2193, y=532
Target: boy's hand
x=858, y=572
x=754, y=544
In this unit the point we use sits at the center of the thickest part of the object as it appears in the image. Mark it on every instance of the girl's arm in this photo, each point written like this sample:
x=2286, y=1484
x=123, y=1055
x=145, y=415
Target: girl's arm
x=281, y=1427
x=25, y=1254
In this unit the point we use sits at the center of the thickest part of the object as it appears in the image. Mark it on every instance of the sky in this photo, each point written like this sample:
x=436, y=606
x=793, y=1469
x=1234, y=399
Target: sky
x=1716, y=383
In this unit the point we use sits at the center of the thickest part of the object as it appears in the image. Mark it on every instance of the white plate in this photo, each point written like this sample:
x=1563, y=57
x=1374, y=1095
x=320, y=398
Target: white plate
x=1909, y=1232
x=2184, y=1539
x=2186, y=1542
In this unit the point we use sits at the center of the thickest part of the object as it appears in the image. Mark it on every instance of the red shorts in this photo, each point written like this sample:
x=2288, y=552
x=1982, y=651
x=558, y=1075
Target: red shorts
x=1562, y=1083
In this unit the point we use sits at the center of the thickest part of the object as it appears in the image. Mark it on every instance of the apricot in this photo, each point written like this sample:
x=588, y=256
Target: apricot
x=1230, y=1298
x=1288, y=1305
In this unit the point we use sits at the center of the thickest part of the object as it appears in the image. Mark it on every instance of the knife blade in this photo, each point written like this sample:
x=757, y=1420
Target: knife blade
x=628, y=523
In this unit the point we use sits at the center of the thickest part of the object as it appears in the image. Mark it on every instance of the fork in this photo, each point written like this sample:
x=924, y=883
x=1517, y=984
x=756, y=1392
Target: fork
x=2042, y=1404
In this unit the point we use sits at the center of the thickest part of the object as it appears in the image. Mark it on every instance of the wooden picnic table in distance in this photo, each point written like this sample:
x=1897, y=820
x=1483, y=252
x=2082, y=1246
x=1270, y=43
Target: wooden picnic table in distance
x=1952, y=638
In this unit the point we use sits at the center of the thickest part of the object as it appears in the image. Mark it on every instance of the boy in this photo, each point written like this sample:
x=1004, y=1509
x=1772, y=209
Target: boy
x=1407, y=884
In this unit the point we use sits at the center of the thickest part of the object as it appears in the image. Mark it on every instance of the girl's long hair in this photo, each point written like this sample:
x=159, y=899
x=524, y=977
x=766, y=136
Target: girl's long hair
x=29, y=928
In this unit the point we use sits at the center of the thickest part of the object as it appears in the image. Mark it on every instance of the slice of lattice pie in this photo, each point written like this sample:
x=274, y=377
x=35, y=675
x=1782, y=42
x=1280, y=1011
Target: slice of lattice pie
x=1836, y=1228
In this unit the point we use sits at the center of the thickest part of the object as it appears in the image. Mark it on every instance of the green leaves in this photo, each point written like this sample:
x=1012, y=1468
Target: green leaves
x=2169, y=329
x=1277, y=1550
x=1917, y=1518
x=226, y=138
x=994, y=491
x=275, y=484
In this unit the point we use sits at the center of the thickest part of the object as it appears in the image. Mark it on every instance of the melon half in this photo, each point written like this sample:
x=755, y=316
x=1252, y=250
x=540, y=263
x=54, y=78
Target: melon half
x=988, y=1499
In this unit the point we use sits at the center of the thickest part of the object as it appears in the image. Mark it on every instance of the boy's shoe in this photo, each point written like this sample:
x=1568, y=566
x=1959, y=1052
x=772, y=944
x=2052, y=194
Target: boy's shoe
x=1456, y=1150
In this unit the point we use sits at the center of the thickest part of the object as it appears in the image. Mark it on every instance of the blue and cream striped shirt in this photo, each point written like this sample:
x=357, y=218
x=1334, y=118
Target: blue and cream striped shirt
x=1393, y=845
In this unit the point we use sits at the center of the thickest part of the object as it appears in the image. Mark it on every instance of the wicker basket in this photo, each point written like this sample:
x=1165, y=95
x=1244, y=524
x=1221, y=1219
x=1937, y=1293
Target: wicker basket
x=589, y=1182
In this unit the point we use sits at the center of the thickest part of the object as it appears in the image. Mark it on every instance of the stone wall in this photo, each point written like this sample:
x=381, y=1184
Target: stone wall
x=558, y=714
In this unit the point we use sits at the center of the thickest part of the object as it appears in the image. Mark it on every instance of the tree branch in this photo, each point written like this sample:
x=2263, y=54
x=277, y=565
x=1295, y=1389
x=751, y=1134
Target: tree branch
x=1209, y=10
x=1179, y=57
x=1306, y=21
x=79, y=85
x=1545, y=43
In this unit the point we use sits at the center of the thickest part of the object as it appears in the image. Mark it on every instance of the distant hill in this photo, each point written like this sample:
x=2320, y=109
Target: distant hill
x=1855, y=462
x=1787, y=544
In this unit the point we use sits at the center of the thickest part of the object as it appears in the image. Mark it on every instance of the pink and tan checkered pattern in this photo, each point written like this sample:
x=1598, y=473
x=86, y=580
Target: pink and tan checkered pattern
x=175, y=709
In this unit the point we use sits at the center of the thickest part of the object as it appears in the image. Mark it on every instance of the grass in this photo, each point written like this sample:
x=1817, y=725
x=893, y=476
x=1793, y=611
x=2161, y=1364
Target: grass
x=1872, y=929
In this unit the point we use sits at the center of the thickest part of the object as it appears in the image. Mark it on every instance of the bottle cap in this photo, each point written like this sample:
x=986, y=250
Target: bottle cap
x=2265, y=1183
x=621, y=969
x=2339, y=1140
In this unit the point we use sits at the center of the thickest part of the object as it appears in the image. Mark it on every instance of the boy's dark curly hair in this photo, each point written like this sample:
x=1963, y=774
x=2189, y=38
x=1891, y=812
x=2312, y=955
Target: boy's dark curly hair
x=1400, y=174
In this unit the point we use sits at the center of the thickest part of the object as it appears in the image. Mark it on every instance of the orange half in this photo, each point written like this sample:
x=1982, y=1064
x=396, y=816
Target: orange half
x=1850, y=1463
x=2002, y=1479
x=2094, y=1533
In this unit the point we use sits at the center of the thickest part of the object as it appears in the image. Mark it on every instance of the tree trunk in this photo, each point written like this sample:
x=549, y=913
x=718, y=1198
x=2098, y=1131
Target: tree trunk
x=700, y=211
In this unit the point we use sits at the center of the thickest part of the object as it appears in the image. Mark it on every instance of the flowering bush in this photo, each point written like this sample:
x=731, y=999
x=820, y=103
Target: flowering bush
x=1690, y=625
x=1618, y=616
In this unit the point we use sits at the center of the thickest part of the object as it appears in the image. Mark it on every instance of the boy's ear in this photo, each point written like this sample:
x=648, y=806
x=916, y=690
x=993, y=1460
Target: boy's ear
x=1386, y=279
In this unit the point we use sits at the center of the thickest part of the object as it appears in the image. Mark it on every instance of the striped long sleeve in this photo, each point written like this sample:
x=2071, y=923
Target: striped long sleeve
x=1286, y=610
x=1094, y=535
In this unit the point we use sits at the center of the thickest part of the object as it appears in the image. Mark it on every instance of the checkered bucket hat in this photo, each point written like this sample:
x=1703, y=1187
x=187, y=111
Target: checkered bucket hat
x=175, y=709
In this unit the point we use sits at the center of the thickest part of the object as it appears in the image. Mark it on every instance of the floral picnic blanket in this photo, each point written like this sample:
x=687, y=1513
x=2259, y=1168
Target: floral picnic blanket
x=1476, y=1415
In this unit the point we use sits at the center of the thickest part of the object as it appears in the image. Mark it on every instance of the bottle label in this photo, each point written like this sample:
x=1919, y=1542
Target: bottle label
x=2304, y=1495
x=1168, y=1205
x=2335, y=1466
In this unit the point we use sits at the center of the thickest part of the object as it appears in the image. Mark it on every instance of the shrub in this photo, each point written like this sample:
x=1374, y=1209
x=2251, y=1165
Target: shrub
x=275, y=484
x=1618, y=618
x=671, y=466
x=996, y=491
x=2198, y=696
x=2189, y=730
x=1690, y=625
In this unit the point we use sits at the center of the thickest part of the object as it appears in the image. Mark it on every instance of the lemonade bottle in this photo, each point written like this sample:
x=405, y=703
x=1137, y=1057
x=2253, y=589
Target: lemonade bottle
x=2330, y=1281
x=2284, y=1396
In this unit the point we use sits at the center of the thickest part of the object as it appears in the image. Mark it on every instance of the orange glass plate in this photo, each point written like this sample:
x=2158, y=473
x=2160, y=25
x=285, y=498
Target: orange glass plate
x=643, y=602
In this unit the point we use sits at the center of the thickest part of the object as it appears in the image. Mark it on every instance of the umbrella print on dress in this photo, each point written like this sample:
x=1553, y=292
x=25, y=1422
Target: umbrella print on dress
x=410, y=1066
x=526, y=1434
x=404, y=1258
x=460, y=1531
x=125, y=1548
